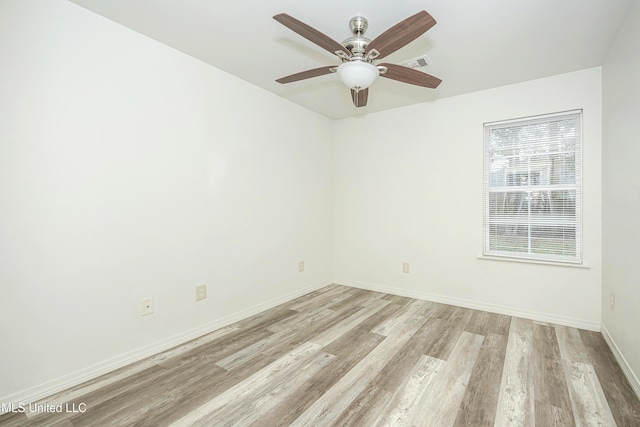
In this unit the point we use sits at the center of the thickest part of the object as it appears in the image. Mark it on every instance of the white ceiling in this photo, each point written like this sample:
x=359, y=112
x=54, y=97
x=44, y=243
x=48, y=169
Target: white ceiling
x=475, y=45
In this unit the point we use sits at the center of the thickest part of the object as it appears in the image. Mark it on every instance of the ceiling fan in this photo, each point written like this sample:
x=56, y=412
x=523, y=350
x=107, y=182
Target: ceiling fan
x=358, y=54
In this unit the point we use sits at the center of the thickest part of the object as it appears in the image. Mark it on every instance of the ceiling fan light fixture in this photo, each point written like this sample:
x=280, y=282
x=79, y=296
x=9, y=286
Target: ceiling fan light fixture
x=358, y=75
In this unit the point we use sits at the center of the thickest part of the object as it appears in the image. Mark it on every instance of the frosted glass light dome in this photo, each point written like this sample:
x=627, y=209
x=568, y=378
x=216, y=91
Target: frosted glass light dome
x=357, y=74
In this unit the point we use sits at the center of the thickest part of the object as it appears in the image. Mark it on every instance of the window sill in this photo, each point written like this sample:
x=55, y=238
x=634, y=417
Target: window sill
x=532, y=261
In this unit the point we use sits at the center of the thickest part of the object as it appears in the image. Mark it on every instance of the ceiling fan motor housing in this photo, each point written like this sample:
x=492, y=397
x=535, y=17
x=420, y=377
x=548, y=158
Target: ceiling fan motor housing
x=358, y=43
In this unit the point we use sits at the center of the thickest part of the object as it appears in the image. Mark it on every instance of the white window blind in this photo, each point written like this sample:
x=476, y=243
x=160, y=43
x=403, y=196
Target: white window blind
x=532, y=188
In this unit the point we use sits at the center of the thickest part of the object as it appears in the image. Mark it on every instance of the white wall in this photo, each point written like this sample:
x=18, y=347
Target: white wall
x=621, y=194
x=408, y=187
x=129, y=170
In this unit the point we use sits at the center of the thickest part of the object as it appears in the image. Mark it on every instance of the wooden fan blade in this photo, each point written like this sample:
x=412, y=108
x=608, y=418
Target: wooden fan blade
x=306, y=74
x=401, y=34
x=360, y=97
x=409, y=75
x=310, y=33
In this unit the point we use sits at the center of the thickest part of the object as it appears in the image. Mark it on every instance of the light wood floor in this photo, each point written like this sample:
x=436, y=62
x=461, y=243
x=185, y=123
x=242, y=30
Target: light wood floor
x=345, y=356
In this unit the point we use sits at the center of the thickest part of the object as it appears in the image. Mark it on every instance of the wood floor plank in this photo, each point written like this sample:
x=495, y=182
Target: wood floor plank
x=485, y=323
x=397, y=299
x=285, y=390
x=439, y=405
x=499, y=324
x=349, y=348
x=125, y=372
x=552, y=402
x=516, y=399
x=260, y=398
x=328, y=408
x=452, y=313
x=399, y=367
x=95, y=398
x=214, y=386
x=389, y=380
x=454, y=322
x=571, y=346
x=355, y=297
x=364, y=408
x=220, y=348
x=390, y=321
x=480, y=400
x=620, y=396
x=299, y=321
x=138, y=400
x=407, y=398
x=244, y=354
x=13, y=419
x=207, y=412
x=285, y=345
x=341, y=356
x=335, y=294
x=343, y=345
x=339, y=329
x=313, y=295
x=180, y=398
x=359, y=297
x=266, y=318
x=588, y=401
x=347, y=357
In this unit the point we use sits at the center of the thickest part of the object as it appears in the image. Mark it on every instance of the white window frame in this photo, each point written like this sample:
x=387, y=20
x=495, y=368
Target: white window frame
x=495, y=218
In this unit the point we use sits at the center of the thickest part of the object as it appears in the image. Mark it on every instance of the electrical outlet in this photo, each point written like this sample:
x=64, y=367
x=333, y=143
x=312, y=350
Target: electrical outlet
x=405, y=267
x=201, y=292
x=300, y=266
x=146, y=306
x=612, y=300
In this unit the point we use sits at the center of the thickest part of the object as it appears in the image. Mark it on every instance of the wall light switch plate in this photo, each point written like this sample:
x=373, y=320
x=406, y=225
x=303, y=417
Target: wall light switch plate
x=300, y=266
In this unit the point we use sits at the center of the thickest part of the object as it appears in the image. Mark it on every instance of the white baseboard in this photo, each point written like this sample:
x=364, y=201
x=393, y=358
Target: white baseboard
x=476, y=305
x=626, y=368
x=49, y=388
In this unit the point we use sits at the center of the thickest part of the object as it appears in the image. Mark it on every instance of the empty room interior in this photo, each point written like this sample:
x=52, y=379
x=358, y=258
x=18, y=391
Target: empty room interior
x=187, y=241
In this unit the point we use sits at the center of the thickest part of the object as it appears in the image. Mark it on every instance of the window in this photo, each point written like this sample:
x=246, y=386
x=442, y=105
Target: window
x=532, y=188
